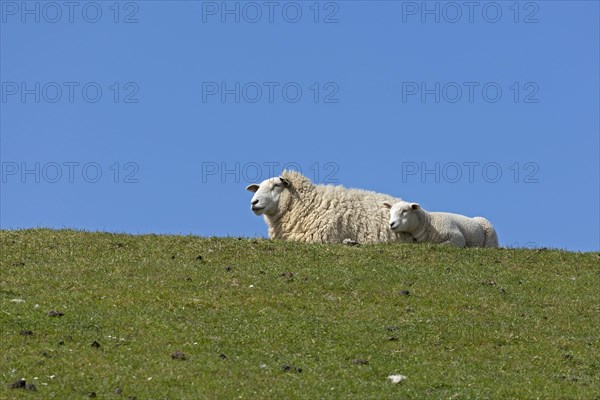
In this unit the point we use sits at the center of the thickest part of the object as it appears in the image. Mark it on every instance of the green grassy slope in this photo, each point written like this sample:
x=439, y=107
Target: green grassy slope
x=263, y=319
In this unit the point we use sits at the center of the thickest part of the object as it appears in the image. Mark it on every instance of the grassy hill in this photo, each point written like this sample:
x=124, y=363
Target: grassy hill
x=182, y=317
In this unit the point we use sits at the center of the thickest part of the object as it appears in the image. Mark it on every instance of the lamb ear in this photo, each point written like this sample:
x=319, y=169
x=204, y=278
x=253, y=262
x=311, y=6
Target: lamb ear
x=252, y=188
x=386, y=204
x=284, y=181
x=415, y=206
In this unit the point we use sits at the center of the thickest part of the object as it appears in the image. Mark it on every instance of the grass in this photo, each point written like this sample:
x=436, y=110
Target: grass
x=475, y=324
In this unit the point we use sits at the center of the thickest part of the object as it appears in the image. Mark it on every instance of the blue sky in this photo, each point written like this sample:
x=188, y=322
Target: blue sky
x=153, y=116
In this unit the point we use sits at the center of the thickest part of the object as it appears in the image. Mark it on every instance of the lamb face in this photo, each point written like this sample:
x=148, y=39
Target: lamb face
x=403, y=216
x=266, y=195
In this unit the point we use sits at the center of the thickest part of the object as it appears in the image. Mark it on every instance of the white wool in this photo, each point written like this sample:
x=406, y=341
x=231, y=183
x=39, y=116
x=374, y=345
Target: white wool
x=296, y=209
x=440, y=227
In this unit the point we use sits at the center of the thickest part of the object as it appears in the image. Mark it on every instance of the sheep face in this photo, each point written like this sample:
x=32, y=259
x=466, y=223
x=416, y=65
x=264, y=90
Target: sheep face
x=266, y=195
x=403, y=216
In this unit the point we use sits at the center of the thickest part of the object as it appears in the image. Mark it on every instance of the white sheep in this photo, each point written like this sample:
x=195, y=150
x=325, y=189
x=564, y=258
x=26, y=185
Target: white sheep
x=296, y=209
x=440, y=227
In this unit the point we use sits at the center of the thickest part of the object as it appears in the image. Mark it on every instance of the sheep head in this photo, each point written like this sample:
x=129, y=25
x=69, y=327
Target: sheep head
x=403, y=216
x=267, y=195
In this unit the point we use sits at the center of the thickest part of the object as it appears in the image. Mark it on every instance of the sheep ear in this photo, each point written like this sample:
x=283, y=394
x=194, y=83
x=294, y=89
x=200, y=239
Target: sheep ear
x=415, y=206
x=284, y=181
x=386, y=204
x=252, y=188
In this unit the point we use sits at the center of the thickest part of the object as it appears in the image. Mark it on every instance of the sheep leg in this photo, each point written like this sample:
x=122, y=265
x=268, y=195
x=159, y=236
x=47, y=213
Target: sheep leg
x=456, y=240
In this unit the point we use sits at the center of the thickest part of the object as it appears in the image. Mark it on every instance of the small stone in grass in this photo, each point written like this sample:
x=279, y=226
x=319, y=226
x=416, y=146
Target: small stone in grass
x=26, y=333
x=290, y=368
x=118, y=391
x=92, y=395
x=404, y=292
x=178, y=355
x=396, y=378
x=393, y=339
x=289, y=276
x=222, y=356
x=20, y=384
x=199, y=258
x=96, y=345
x=54, y=313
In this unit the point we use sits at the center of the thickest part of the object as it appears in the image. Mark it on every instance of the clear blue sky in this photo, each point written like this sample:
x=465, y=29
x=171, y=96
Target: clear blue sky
x=488, y=110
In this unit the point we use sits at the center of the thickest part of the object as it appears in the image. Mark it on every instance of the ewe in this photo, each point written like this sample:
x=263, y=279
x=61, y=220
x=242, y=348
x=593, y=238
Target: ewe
x=439, y=227
x=296, y=209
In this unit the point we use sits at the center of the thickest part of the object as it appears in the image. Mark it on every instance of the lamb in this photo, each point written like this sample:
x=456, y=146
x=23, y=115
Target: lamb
x=295, y=208
x=440, y=227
